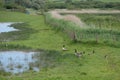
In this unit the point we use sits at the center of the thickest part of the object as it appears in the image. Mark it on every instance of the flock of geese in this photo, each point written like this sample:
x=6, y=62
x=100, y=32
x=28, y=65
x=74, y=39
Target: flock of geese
x=76, y=53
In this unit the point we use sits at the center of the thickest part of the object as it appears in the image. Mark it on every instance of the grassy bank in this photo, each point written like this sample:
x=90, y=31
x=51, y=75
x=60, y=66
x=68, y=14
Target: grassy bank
x=66, y=66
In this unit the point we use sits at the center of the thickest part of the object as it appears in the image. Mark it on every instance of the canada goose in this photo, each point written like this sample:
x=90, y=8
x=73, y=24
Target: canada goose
x=93, y=51
x=78, y=54
x=106, y=56
x=88, y=53
x=83, y=52
x=63, y=48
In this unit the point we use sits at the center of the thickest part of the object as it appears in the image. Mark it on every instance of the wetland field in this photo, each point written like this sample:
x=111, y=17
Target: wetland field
x=100, y=61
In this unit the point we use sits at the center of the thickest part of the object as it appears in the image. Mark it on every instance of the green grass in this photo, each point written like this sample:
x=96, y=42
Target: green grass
x=41, y=37
x=66, y=65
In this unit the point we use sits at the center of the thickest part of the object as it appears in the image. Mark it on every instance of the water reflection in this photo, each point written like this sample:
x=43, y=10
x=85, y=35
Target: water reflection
x=18, y=61
x=4, y=27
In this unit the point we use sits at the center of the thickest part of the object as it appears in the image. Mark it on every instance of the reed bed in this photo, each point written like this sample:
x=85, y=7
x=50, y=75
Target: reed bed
x=85, y=34
x=101, y=21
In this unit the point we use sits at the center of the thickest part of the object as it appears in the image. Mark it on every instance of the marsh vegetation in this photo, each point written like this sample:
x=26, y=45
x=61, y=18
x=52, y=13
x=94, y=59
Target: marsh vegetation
x=90, y=52
x=99, y=28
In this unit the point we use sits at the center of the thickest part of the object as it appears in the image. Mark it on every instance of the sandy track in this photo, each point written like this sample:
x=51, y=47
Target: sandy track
x=83, y=11
x=69, y=17
x=75, y=19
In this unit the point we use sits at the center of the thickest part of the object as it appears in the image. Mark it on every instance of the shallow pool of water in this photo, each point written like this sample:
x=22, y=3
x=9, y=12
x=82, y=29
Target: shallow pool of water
x=18, y=61
x=5, y=27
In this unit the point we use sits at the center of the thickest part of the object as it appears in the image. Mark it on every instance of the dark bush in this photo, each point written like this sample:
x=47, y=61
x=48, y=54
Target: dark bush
x=14, y=7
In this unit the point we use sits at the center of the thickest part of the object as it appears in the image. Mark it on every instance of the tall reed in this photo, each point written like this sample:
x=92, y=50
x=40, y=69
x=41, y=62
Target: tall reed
x=76, y=33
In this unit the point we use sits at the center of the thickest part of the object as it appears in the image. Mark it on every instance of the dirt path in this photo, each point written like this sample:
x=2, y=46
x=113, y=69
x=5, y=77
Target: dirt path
x=90, y=11
x=69, y=17
x=75, y=19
